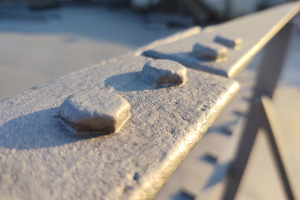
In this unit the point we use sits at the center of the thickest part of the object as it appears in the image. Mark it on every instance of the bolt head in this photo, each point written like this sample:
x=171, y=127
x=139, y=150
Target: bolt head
x=164, y=72
x=94, y=112
x=231, y=42
x=210, y=50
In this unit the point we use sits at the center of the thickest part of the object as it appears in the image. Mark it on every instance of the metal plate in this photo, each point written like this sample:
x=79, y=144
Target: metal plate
x=40, y=160
x=255, y=30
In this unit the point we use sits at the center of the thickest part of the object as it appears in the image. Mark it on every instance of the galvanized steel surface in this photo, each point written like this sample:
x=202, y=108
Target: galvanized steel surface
x=255, y=30
x=39, y=158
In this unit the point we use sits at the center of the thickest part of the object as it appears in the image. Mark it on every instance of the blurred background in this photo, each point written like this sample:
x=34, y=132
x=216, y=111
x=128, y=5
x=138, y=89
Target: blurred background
x=45, y=39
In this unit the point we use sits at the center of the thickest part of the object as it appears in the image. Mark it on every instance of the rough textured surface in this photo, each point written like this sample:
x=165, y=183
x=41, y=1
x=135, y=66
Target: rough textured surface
x=210, y=50
x=94, y=112
x=261, y=179
x=40, y=161
x=255, y=29
x=229, y=41
x=164, y=72
x=208, y=153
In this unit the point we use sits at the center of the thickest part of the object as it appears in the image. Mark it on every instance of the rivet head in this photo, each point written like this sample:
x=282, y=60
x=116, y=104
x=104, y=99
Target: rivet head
x=164, y=72
x=231, y=42
x=210, y=50
x=94, y=112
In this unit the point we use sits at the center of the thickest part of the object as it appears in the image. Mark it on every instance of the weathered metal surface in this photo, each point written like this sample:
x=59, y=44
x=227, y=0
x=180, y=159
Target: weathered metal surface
x=212, y=51
x=207, y=164
x=229, y=41
x=255, y=30
x=164, y=72
x=94, y=112
x=40, y=160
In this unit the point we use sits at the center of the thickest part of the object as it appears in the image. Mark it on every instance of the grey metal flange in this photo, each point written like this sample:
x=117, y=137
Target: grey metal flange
x=241, y=39
x=42, y=158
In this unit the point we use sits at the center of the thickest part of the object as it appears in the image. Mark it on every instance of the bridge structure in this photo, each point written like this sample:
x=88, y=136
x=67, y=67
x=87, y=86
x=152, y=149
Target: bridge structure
x=119, y=129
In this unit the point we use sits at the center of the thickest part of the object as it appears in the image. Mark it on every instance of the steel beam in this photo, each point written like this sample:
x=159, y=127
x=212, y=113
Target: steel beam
x=42, y=158
x=254, y=30
x=44, y=155
x=268, y=76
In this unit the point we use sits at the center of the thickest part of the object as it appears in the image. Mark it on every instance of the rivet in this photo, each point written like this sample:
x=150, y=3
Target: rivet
x=231, y=42
x=94, y=112
x=164, y=72
x=210, y=50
